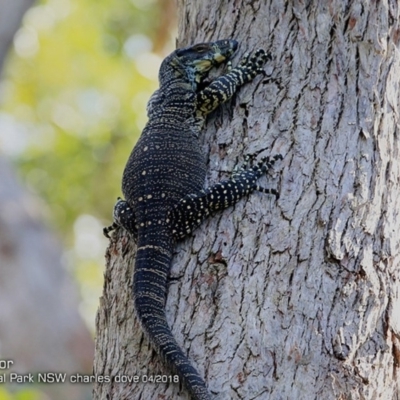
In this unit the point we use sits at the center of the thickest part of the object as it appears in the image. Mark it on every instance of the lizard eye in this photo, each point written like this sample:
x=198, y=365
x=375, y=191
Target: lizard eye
x=200, y=48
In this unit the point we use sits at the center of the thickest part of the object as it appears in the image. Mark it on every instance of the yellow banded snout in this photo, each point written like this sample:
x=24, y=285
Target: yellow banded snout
x=224, y=49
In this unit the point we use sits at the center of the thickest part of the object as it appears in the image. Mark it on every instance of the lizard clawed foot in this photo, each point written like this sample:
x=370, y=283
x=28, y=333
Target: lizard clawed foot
x=250, y=66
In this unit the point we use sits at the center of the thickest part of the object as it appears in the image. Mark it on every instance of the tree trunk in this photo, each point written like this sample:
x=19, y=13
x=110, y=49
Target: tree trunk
x=294, y=299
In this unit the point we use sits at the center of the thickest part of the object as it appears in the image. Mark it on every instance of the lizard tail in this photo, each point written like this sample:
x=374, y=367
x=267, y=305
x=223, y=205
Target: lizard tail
x=149, y=287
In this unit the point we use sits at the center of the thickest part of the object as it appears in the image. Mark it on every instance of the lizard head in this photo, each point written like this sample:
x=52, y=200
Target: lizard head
x=200, y=58
x=195, y=61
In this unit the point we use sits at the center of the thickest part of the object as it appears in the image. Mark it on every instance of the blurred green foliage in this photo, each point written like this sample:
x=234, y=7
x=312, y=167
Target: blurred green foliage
x=75, y=81
x=73, y=103
x=74, y=91
x=22, y=394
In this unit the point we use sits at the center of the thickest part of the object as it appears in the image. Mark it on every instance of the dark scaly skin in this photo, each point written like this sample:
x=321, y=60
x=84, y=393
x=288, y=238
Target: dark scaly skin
x=163, y=183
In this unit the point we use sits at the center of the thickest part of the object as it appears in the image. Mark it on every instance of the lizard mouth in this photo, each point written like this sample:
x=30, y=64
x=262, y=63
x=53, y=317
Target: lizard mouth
x=204, y=65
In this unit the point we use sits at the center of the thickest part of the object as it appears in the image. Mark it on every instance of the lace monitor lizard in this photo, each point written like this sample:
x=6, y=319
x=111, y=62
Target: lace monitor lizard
x=163, y=182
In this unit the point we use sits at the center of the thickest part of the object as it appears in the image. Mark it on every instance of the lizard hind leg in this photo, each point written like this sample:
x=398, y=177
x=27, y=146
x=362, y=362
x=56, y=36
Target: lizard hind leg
x=108, y=229
x=123, y=217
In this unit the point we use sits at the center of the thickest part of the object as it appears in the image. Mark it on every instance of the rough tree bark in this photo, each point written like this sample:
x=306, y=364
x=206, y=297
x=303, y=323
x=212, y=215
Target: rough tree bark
x=295, y=299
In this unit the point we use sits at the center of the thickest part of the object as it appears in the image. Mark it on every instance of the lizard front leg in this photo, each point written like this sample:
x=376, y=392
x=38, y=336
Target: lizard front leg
x=192, y=209
x=223, y=88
